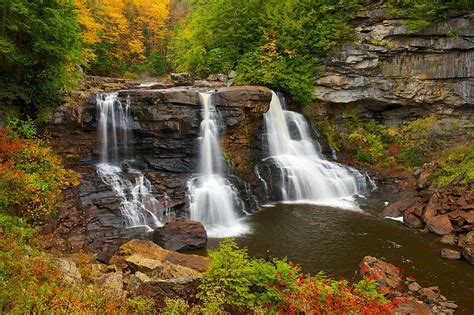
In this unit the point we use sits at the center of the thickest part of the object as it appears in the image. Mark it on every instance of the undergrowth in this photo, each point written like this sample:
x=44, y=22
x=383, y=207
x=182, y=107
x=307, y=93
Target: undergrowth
x=236, y=282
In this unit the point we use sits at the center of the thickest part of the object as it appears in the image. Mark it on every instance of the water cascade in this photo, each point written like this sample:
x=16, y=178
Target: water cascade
x=213, y=199
x=306, y=176
x=138, y=206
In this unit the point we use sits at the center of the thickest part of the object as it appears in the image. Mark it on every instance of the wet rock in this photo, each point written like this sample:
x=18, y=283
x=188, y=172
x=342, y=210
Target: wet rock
x=386, y=274
x=466, y=242
x=397, y=208
x=452, y=254
x=430, y=294
x=412, y=220
x=181, y=235
x=431, y=208
x=69, y=271
x=449, y=239
x=440, y=225
x=414, y=286
x=468, y=216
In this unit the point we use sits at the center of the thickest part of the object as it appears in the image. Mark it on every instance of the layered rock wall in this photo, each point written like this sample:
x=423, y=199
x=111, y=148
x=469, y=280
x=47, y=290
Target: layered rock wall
x=394, y=76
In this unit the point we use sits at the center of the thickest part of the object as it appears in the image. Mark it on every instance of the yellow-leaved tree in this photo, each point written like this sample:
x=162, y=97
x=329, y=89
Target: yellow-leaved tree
x=121, y=35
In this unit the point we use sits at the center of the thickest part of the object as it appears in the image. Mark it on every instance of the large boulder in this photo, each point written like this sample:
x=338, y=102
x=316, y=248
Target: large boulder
x=181, y=235
x=149, y=255
x=69, y=271
x=440, y=225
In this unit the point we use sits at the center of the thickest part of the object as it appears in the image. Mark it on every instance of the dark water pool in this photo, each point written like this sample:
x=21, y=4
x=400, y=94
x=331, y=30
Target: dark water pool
x=335, y=241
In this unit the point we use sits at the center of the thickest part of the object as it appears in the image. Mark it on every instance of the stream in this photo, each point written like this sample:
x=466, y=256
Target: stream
x=335, y=241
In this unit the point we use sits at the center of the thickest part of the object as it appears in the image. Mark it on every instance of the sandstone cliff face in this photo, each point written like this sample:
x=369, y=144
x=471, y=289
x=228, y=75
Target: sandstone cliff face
x=395, y=76
x=165, y=144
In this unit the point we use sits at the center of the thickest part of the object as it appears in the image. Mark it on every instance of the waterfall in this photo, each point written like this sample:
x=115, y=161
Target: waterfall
x=306, y=176
x=138, y=206
x=212, y=198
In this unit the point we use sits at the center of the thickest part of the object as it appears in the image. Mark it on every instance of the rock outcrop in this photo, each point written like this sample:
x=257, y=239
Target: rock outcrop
x=446, y=211
x=410, y=297
x=395, y=76
x=165, y=129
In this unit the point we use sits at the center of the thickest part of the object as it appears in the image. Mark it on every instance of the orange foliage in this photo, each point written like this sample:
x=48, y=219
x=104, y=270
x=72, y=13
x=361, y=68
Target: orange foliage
x=130, y=29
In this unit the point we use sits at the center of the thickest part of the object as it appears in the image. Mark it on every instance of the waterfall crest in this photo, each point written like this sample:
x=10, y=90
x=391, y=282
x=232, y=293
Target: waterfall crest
x=138, y=206
x=306, y=176
x=212, y=198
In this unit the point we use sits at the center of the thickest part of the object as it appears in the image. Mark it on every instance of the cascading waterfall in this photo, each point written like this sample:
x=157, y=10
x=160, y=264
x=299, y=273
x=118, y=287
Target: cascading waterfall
x=305, y=174
x=138, y=206
x=213, y=199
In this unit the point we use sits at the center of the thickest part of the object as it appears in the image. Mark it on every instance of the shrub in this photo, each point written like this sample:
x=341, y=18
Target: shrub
x=458, y=161
x=25, y=129
x=235, y=281
x=31, y=177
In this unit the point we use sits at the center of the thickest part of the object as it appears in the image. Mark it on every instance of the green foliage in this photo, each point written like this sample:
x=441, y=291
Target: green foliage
x=419, y=14
x=175, y=307
x=141, y=305
x=227, y=282
x=25, y=129
x=274, y=43
x=39, y=45
x=368, y=140
x=236, y=282
x=460, y=160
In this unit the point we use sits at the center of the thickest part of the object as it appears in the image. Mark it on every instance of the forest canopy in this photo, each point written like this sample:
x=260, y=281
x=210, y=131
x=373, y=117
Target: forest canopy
x=45, y=45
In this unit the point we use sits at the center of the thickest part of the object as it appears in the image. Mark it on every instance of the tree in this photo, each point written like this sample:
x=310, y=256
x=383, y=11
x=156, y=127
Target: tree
x=39, y=46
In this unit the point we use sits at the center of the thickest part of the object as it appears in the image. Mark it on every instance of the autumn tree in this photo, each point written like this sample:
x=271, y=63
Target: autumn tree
x=123, y=35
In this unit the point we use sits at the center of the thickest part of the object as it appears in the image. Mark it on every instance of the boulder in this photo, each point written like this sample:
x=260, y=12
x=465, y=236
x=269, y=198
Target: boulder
x=386, y=274
x=144, y=248
x=181, y=235
x=466, y=242
x=412, y=220
x=137, y=262
x=154, y=253
x=430, y=294
x=172, y=288
x=182, y=78
x=397, y=209
x=468, y=216
x=114, y=283
x=449, y=239
x=170, y=271
x=70, y=273
x=440, y=225
x=431, y=208
x=414, y=287
x=452, y=254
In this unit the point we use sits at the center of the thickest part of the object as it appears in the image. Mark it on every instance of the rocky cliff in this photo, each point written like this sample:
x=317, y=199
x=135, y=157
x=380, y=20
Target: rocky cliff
x=165, y=146
x=394, y=76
